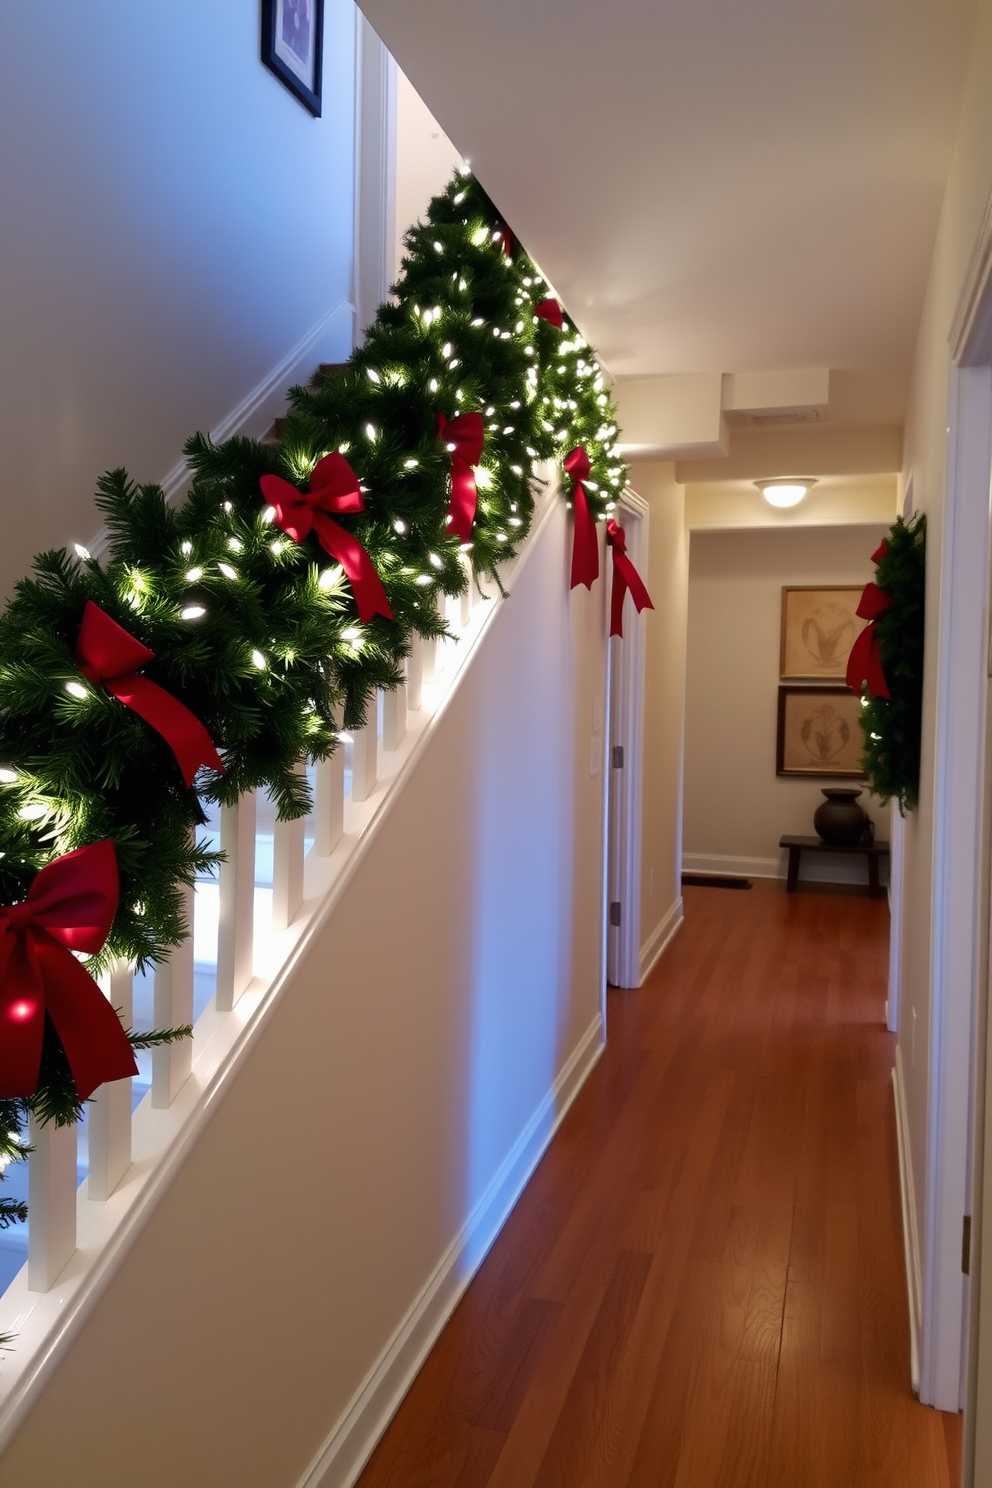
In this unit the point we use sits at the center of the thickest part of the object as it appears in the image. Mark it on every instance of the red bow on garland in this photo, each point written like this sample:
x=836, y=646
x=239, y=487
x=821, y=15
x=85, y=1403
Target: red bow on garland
x=625, y=576
x=550, y=310
x=864, y=665
x=333, y=488
x=70, y=906
x=506, y=242
x=463, y=437
x=109, y=656
x=585, y=546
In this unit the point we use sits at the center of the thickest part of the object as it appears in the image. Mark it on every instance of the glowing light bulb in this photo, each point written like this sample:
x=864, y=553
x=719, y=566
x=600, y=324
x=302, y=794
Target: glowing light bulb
x=483, y=478
x=228, y=571
x=479, y=236
x=192, y=574
x=7, y=775
x=346, y=738
x=446, y=349
x=399, y=527
x=77, y=690
x=186, y=548
x=438, y=246
x=33, y=812
x=410, y=464
x=478, y=321
x=192, y=612
x=435, y=560
x=82, y=552
x=259, y=661
x=330, y=576
x=433, y=384
x=372, y=374
x=423, y=579
x=459, y=198
x=235, y=544
x=269, y=515
x=371, y=431
x=353, y=633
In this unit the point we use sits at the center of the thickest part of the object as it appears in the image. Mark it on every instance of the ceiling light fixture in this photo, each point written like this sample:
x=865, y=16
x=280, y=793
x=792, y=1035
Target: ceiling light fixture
x=784, y=491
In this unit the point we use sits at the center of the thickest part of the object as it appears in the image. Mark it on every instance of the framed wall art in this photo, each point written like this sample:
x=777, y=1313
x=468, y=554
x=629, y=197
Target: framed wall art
x=292, y=46
x=819, y=733
x=819, y=626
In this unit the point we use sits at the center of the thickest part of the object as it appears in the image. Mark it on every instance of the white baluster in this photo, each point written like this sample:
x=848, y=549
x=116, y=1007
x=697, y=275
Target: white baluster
x=110, y=1106
x=363, y=759
x=235, y=931
x=329, y=804
x=393, y=717
x=287, y=867
x=51, y=1202
x=173, y=1005
x=415, y=675
x=467, y=602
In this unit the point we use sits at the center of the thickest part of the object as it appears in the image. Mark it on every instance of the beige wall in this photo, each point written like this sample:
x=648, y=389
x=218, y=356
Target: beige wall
x=664, y=703
x=736, y=807
x=416, y=1047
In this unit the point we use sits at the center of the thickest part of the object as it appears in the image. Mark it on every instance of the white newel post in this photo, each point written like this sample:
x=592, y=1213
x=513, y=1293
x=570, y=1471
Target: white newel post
x=110, y=1106
x=173, y=1005
x=329, y=804
x=287, y=868
x=235, y=931
x=51, y=1202
x=363, y=759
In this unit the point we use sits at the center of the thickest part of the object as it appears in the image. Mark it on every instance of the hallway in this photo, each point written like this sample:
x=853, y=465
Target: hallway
x=703, y=1284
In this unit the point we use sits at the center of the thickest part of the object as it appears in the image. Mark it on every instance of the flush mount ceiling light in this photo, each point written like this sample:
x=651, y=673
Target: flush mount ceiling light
x=786, y=491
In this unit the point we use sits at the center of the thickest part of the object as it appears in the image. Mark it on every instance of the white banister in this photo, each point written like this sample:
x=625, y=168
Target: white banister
x=415, y=675
x=363, y=759
x=51, y=1202
x=110, y=1106
x=287, y=867
x=235, y=931
x=173, y=1005
x=328, y=809
x=393, y=718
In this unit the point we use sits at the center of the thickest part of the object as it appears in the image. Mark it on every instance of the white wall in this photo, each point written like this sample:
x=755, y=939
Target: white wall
x=664, y=706
x=173, y=225
x=421, y=1036
x=736, y=807
x=425, y=160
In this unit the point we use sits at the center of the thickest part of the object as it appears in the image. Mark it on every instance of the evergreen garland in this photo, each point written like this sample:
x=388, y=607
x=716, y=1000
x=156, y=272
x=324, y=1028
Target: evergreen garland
x=257, y=635
x=891, y=726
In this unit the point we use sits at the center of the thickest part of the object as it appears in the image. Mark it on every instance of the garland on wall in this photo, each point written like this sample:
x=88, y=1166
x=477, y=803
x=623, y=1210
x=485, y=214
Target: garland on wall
x=886, y=664
x=228, y=637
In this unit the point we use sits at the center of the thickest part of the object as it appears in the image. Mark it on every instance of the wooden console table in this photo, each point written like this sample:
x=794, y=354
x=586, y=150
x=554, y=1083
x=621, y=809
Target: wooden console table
x=873, y=851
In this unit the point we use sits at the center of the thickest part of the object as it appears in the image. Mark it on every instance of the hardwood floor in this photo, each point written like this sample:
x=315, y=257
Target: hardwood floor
x=703, y=1284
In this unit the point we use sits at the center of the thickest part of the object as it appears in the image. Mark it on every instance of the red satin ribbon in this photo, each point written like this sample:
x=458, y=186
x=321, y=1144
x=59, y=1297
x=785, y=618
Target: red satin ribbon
x=333, y=488
x=864, y=665
x=550, y=310
x=463, y=437
x=506, y=243
x=882, y=551
x=69, y=907
x=625, y=576
x=109, y=656
x=585, y=546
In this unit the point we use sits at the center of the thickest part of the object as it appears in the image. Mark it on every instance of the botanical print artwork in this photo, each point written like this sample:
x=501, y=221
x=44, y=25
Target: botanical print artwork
x=819, y=627
x=818, y=732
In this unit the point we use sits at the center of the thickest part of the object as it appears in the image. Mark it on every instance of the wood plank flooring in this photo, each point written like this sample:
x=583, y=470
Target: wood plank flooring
x=703, y=1284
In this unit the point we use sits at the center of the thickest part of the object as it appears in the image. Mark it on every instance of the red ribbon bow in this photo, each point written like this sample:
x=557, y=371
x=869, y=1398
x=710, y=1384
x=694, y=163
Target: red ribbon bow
x=585, y=546
x=70, y=906
x=109, y=656
x=506, y=242
x=333, y=488
x=550, y=310
x=625, y=576
x=864, y=665
x=463, y=437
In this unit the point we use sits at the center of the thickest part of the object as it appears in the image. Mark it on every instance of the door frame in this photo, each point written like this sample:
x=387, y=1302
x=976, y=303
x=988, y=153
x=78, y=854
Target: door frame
x=625, y=690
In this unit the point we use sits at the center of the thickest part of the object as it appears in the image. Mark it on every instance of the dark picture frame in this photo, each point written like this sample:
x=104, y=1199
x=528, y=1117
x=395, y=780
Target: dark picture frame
x=819, y=733
x=293, y=47
x=819, y=627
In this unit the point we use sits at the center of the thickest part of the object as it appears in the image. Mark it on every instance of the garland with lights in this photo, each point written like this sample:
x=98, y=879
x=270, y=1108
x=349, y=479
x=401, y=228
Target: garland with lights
x=886, y=664
x=230, y=636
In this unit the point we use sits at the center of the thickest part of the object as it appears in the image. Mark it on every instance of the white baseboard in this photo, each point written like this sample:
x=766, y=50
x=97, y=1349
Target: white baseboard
x=352, y=1440
x=257, y=410
x=910, y=1234
x=659, y=940
x=812, y=869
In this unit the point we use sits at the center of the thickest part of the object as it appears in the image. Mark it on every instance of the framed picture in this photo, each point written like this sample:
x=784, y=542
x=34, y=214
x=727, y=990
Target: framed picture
x=818, y=630
x=819, y=732
x=292, y=46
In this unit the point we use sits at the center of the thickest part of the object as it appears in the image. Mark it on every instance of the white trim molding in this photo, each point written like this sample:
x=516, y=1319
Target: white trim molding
x=351, y=1441
x=910, y=1232
x=660, y=939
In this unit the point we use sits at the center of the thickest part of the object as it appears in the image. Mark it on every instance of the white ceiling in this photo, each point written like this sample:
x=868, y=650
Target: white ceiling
x=712, y=185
